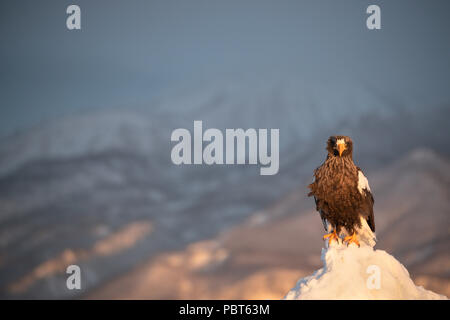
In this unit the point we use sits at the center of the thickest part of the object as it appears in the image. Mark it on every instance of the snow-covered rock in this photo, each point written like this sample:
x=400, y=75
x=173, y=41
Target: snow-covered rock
x=359, y=273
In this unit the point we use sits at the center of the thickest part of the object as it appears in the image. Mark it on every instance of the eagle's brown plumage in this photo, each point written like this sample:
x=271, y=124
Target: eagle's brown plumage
x=335, y=189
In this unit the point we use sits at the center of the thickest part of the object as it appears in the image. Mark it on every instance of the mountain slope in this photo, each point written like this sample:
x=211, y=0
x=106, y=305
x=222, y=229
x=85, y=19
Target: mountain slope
x=262, y=257
x=71, y=182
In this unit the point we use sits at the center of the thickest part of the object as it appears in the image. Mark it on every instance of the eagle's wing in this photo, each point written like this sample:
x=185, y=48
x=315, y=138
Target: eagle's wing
x=367, y=199
x=319, y=203
x=319, y=209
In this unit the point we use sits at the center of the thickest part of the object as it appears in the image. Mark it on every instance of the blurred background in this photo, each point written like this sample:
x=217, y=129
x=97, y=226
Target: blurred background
x=86, y=116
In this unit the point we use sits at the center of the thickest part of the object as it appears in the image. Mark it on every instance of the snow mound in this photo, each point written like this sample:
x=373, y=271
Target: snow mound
x=359, y=273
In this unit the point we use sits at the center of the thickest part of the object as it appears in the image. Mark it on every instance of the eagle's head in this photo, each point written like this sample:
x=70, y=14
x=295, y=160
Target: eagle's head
x=339, y=146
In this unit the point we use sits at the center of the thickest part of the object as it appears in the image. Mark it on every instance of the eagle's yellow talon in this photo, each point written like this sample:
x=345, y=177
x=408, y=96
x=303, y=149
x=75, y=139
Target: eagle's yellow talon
x=351, y=239
x=331, y=236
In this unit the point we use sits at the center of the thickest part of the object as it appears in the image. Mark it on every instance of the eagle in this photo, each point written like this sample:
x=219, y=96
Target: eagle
x=342, y=195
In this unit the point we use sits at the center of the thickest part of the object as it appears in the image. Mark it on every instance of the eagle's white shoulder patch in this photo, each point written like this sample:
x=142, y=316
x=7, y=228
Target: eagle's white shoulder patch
x=362, y=182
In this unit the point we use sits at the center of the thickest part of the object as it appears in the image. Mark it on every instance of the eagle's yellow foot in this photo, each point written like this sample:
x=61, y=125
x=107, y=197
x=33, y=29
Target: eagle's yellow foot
x=351, y=239
x=331, y=236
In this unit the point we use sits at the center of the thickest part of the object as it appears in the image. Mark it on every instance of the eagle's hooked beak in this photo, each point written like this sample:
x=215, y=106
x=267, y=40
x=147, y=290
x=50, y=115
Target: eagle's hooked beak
x=341, y=147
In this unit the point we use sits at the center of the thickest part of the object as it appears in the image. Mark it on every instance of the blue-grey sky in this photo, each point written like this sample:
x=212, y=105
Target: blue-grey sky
x=131, y=52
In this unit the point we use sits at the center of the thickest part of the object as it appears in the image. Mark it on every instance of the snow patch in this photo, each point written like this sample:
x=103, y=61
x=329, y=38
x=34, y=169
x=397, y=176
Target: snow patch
x=359, y=273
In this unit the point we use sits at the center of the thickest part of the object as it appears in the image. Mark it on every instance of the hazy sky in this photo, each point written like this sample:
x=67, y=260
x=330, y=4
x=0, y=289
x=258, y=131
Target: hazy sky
x=129, y=52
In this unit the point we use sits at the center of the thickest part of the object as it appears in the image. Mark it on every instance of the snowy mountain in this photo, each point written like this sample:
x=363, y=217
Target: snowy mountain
x=359, y=273
x=70, y=183
x=262, y=257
